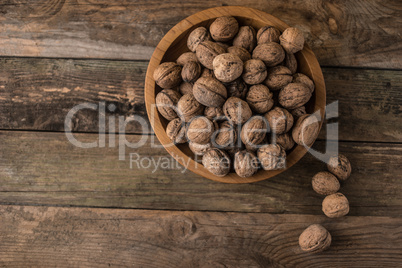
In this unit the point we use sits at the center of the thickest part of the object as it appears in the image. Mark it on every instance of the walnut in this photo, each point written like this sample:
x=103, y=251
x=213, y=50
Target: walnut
x=278, y=77
x=294, y=95
x=186, y=88
x=315, y=239
x=209, y=92
x=208, y=73
x=306, y=130
x=237, y=110
x=254, y=147
x=245, y=38
x=237, y=88
x=168, y=75
x=225, y=46
x=225, y=136
x=176, y=131
x=298, y=112
x=254, y=130
x=245, y=163
x=290, y=62
x=255, y=72
x=268, y=34
x=207, y=51
x=224, y=28
x=272, y=157
x=200, y=130
x=188, y=107
x=217, y=162
x=191, y=71
x=286, y=141
x=214, y=113
x=325, y=183
x=166, y=101
x=292, y=40
x=260, y=99
x=335, y=205
x=227, y=67
x=242, y=53
x=199, y=149
x=340, y=167
x=186, y=57
x=304, y=79
x=280, y=120
x=197, y=36
x=270, y=53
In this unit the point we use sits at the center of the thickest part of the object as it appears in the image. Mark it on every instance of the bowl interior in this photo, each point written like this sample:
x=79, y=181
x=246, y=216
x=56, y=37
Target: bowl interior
x=175, y=43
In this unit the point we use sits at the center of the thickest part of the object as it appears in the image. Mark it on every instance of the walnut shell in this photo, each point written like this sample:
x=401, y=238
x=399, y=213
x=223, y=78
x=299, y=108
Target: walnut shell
x=200, y=130
x=209, y=92
x=290, y=62
x=186, y=57
x=214, y=113
x=245, y=38
x=304, y=79
x=196, y=37
x=191, y=71
x=224, y=28
x=306, y=130
x=278, y=77
x=245, y=164
x=199, y=149
x=286, y=141
x=292, y=40
x=255, y=72
x=176, y=131
x=335, y=205
x=254, y=130
x=186, y=88
x=168, y=75
x=240, y=52
x=340, y=167
x=280, y=120
x=206, y=53
x=166, y=101
x=298, y=112
x=272, y=157
x=225, y=46
x=268, y=34
x=237, y=88
x=315, y=239
x=217, y=162
x=260, y=99
x=270, y=53
x=188, y=107
x=294, y=95
x=237, y=110
x=227, y=67
x=325, y=183
x=225, y=136
x=208, y=73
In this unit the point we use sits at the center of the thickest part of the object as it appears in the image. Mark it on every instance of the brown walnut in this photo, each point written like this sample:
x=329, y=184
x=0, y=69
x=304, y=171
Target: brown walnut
x=176, y=131
x=294, y=95
x=298, y=112
x=280, y=120
x=188, y=107
x=335, y=205
x=237, y=88
x=278, y=77
x=255, y=72
x=315, y=239
x=217, y=162
x=290, y=62
x=209, y=92
x=325, y=183
x=306, y=130
x=197, y=36
x=186, y=88
x=168, y=75
x=214, y=113
x=227, y=67
x=272, y=157
x=225, y=136
x=292, y=40
x=270, y=53
x=286, y=141
x=208, y=73
x=199, y=149
x=191, y=71
x=254, y=130
x=206, y=53
x=186, y=57
x=245, y=163
x=200, y=130
x=240, y=52
x=166, y=101
x=268, y=34
x=260, y=99
x=237, y=110
x=340, y=167
x=245, y=38
x=224, y=28
x=304, y=79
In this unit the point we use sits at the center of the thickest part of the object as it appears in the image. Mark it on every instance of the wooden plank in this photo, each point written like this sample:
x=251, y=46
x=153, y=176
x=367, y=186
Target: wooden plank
x=66, y=237
x=341, y=33
x=44, y=168
x=36, y=94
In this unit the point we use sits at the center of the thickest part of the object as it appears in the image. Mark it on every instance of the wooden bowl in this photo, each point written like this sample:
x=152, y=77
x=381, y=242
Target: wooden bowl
x=174, y=43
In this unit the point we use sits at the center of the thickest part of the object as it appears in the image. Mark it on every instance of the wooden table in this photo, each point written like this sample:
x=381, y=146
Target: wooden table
x=66, y=206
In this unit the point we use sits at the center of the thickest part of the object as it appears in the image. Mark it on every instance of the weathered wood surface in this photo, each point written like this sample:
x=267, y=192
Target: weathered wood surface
x=44, y=168
x=66, y=237
x=341, y=33
x=36, y=94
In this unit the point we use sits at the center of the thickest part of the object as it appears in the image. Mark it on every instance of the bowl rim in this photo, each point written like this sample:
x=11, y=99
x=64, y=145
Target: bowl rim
x=155, y=118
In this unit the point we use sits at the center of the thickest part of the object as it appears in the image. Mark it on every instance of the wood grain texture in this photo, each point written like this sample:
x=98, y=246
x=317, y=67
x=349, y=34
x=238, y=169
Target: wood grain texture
x=44, y=168
x=341, y=32
x=66, y=237
x=36, y=94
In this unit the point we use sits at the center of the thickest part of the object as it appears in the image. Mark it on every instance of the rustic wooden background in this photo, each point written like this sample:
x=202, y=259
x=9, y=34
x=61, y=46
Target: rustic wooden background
x=63, y=206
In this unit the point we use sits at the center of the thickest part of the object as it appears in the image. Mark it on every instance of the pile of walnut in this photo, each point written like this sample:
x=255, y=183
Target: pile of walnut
x=231, y=90
x=316, y=238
